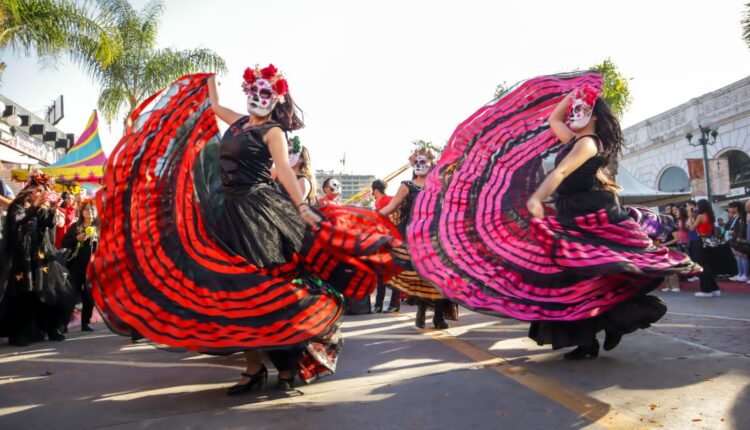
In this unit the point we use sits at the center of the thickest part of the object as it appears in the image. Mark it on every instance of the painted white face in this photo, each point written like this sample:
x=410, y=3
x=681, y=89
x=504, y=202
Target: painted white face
x=334, y=186
x=294, y=158
x=580, y=115
x=261, y=98
x=421, y=165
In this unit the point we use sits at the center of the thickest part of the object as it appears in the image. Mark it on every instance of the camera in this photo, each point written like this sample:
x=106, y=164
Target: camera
x=53, y=197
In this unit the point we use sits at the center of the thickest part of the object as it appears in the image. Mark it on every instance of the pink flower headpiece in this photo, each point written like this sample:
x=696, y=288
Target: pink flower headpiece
x=586, y=95
x=270, y=73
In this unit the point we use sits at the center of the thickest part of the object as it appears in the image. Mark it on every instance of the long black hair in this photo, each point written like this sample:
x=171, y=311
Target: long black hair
x=607, y=127
x=704, y=207
x=288, y=114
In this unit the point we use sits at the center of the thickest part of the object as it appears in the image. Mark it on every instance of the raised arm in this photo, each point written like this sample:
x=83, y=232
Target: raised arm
x=395, y=202
x=581, y=152
x=557, y=120
x=277, y=146
x=224, y=113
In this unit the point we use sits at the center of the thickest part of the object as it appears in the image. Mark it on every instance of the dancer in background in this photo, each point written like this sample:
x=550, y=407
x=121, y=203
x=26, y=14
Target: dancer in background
x=36, y=296
x=483, y=232
x=409, y=281
x=252, y=276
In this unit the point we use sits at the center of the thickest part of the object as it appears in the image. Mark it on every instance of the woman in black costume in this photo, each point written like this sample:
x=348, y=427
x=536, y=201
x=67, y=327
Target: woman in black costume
x=82, y=239
x=248, y=149
x=37, y=298
x=581, y=187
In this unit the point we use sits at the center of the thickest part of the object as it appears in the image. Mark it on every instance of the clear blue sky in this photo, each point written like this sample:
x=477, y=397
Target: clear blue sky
x=373, y=76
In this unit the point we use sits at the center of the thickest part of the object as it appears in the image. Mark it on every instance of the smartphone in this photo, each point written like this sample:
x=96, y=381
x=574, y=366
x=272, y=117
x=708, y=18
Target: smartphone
x=53, y=197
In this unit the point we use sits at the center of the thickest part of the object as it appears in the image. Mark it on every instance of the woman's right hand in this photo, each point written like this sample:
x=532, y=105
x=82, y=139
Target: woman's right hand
x=535, y=208
x=309, y=216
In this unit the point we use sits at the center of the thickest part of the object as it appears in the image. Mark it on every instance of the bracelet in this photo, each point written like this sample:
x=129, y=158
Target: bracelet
x=302, y=204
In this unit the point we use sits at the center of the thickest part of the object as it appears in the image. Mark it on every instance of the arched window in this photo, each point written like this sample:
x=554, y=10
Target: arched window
x=674, y=180
x=739, y=168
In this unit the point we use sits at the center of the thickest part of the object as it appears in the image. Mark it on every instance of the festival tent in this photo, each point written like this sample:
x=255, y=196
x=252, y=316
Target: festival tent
x=634, y=192
x=84, y=162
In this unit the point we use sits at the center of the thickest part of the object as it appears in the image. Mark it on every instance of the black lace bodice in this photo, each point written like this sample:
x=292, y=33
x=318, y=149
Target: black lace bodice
x=583, y=179
x=243, y=156
x=407, y=204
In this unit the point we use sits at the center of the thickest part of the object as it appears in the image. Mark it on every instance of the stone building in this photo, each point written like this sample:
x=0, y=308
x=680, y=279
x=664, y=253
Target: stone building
x=657, y=149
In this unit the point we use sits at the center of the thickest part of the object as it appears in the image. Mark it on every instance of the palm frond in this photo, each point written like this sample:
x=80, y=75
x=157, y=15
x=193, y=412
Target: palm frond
x=166, y=65
x=111, y=102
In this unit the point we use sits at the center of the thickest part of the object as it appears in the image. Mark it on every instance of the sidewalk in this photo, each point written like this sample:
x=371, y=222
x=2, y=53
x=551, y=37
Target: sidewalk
x=724, y=286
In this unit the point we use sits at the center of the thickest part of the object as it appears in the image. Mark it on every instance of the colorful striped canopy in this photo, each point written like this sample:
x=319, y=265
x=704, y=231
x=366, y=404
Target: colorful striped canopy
x=84, y=162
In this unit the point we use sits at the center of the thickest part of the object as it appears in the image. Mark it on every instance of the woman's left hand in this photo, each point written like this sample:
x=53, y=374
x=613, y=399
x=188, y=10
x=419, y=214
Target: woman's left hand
x=309, y=216
x=535, y=208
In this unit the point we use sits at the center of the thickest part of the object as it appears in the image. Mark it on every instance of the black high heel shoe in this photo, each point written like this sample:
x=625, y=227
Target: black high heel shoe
x=611, y=339
x=584, y=351
x=421, y=314
x=284, y=384
x=259, y=378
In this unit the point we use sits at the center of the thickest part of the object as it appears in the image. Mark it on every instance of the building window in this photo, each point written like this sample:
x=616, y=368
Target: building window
x=674, y=180
x=739, y=168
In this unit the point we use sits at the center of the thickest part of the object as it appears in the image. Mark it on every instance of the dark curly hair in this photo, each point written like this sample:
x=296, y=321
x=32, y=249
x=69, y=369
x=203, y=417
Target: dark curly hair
x=288, y=114
x=608, y=129
x=379, y=185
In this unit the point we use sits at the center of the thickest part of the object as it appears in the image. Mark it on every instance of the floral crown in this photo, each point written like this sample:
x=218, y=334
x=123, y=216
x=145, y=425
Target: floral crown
x=295, y=145
x=270, y=73
x=40, y=178
x=421, y=151
x=585, y=94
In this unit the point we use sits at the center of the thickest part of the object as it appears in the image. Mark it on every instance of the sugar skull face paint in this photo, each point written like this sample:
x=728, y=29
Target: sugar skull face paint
x=294, y=158
x=421, y=165
x=580, y=115
x=261, y=98
x=334, y=187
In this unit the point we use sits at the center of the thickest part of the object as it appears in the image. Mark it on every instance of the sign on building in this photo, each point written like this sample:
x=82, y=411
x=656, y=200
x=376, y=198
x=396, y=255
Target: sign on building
x=720, y=179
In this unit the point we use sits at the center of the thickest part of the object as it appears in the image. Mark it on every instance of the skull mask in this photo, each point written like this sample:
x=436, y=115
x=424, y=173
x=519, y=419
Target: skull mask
x=294, y=157
x=421, y=165
x=582, y=108
x=334, y=186
x=261, y=98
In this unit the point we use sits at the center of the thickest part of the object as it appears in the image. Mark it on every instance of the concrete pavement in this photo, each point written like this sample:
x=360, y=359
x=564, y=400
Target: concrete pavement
x=691, y=371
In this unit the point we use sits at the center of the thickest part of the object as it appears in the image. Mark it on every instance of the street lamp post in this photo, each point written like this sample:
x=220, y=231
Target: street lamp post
x=709, y=131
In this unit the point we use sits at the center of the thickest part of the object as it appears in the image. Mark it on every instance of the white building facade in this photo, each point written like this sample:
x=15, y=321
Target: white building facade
x=657, y=149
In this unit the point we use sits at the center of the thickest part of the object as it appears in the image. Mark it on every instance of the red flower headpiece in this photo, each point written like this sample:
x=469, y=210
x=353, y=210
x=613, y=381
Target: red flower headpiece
x=586, y=94
x=40, y=178
x=270, y=73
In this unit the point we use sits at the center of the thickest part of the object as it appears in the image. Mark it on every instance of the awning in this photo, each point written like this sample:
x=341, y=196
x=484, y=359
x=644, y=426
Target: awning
x=634, y=192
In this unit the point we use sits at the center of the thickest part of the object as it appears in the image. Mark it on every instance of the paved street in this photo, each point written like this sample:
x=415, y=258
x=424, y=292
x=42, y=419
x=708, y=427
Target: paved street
x=691, y=371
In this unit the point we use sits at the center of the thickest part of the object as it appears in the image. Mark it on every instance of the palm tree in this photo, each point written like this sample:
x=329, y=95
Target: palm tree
x=140, y=69
x=49, y=28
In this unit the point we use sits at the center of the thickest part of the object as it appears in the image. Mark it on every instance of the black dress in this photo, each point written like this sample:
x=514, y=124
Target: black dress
x=200, y=249
x=37, y=297
x=579, y=194
x=409, y=281
x=77, y=262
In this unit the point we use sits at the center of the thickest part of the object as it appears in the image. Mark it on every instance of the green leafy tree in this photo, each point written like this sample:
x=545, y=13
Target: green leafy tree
x=141, y=69
x=429, y=145
x=51, y=28
x=615, y=90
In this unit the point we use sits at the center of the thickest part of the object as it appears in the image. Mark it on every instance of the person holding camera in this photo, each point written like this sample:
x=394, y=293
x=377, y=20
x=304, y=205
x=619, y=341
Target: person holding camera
x=37, y=298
